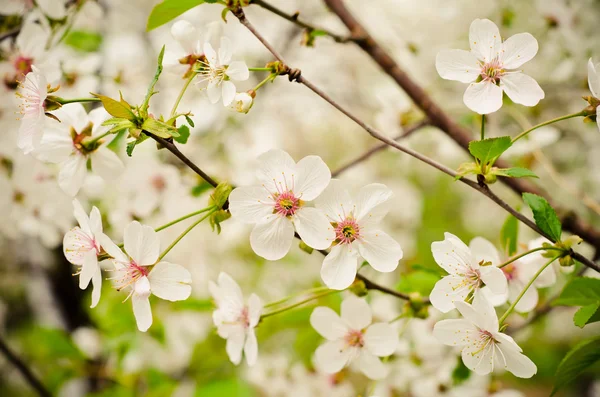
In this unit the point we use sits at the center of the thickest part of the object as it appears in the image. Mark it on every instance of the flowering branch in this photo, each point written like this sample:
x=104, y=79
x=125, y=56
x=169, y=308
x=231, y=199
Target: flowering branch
x=22, y=367
x=568, y=116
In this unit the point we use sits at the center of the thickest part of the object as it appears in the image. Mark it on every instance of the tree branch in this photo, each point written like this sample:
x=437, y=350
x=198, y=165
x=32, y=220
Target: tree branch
x=441, y=120
x=25, y=371
x=295, y=75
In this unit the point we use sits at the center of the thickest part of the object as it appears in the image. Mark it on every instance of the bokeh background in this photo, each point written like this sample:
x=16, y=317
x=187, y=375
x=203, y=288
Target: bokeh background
x=78, y=351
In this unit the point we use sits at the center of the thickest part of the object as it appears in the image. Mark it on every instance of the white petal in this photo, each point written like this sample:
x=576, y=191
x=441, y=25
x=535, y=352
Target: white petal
x=332, y=356
x=312, y=177
x=447, y=291
x=170, y=281
x=213, y=90
x=73, y=115
x=97, y=117
x=82, y=217
x=516, y=362
x=479, y=360
x=210, y=54
x=381, y=251
x=483, y=97
x=251, y=347
x=494, y=278
x=371, y=203
x=484, y=250
x=251, y=204
x=452, y=254
x=529, y=300
x=272, y=239
x=339, y=267
x=598, y=117
x=495, y=299
x=141, y=243
x=522, y=89
x=76, y=244
x=235, y=344
x=484, y=39
x=518, y=49
x=55, y=146
x=276, y=171
x=314, y=228
x=88, y=269
x=328, y=324
x=111, y=248
x=356, y=312
x=593, y=79
x=227, y=294
x=455, y=332
x=142, y=311
x=335, y=201
x=187, y=36
x=96, y=287
x=459, y=65
x=371, y=365
x=381, y=339
x=52, y=8
x=238, y=71
x=95, y=221
x=225, y=51
x=107, y=164
x=72, y=173
x=228, y=92
x=255, y=308
x=30, y=40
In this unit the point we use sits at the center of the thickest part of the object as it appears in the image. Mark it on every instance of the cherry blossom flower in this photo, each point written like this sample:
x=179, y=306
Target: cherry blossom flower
x=491, y=68
x=353, y=336
x=279, y=204
x=32, y=94
x=484, y=347
x=183, y=59
x=469, y=270
x=64, y=143
x=218, y=70
x=138, y=271
x=594, y=84
x=235, y=320
x=357, y=233
x=81, y=247
x=242, y=102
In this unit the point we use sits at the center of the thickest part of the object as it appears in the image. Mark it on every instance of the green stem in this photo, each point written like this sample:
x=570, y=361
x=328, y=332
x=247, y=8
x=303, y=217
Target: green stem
x=568, y=116
x=535, y=276
x=287, y=298
x=183, y=218
x=401, y=316
x=183, y=90
x=514, y=258
x=293, y=305
x=266, y=80
x=63, y=101
x=482, y=127
x=260, y=69
x=87, y=144
x=186, y=231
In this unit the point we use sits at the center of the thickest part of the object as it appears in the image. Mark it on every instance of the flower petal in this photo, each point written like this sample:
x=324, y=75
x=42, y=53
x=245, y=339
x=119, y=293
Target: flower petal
x=185, y=33
x=328, y=324
x=238, y=71
x=88, y=269
x=213, y=90
x=332, y=356
x=225, y=51
x=494, y=278
x=255, y=308
x=273, y=238
x=314, y=228
x=55, y=145
x=484, y=39
x=276, y=171
x=447, y=291
x=381, y=251
x=76, y=244
x=372, y=203
x=210, y=54
x=528, y=301
x=107, y=164
x=96, y=287
x=339, y=267
x=356, y=312
x=452, y=254
x=111, y=248
x=518, y=49
x=381, y=339
x=251, y=347
x=478, y=359
x=235, y=344
x=458, y=65
x=593, y=79
x=142, y=311
x=484, y=250
x=312, y=177
x=454, y=332
x=372, y=366
x=141, y=243
x=251, y=204
x=484, y=97
x=81, y=217
x=170, y=281
x=522, y=89
x=95, y=221
x=335, y=201
x=516, y=362
x=72, y=173
x=228, y=92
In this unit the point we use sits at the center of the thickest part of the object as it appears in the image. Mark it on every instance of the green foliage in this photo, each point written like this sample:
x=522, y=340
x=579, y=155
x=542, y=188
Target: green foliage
x=584, y=292
x=169, y=10
x=159, y=128
x=226, y=388
x=150, y=92
x=309, y=36
x=189, y=120
x=116, y=108
x=544, y=215
x=184, y=134
x=515, y=172
x=576, y=361
x=461, y=373
x=421, y=281
x=192, y=304
x=487, y=150
x=83, y=40
x=509, y=235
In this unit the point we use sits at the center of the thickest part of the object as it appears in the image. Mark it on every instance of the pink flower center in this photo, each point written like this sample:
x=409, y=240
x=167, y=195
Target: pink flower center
x=23, y=64
x=492, y=71
x=286, y=203
x=244, y=317
x=355, y=338
x=130, y=275
x=510, y=271
x=158, y=183
x=347, y=231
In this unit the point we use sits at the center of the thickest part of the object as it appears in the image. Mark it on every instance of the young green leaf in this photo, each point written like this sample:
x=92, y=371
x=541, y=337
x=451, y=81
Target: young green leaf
x=581, y=357
x=418, y=281
x=509, y=235
x=544, y=215
x=169, y=10
x=189, y=121
x=184, y=134
x=489, y=149
x=580, y=291
x=159, y=128
x=115, y=108
x=84, y=41
x=150, y=92
x=587, y=315
x=515, y=172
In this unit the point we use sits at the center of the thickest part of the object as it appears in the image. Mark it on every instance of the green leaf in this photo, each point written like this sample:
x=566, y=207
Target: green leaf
x=197, y=305
x=189, y=121
x=582, y=356
x=184, y=134
x=461, y=373
x=587, y=314
x=226, y=388
x=580, y=291
x=515, y=172
x=418, y=281
x=131, y=145
x=544, y=215
x=83, y=40
x=509, y=235
x=489, y=149
x=150, y=92
x=115, y=108
x=159, y=128
x=169, y=10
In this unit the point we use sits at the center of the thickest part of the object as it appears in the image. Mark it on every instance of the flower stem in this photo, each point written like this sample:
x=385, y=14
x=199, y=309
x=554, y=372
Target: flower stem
x=482, y=127
x=568, y=116
x=514, y=258
x=535, y=276
x=293, y=305
x=183, y=90
x=95, y=139
x=183, y=218
x=401, y=316
x=287, y=298
x=267, y=79
x=63, y=101
x=186, y=231
x=260, y=69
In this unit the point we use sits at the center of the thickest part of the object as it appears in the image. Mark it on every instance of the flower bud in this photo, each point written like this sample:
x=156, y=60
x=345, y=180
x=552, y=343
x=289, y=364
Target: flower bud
x=242, y=102
x=359, y=288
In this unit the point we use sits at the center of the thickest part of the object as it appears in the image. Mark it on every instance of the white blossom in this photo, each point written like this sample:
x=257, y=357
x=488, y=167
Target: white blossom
x=491, y=68
x=594, y=84
x=32, y=94
x=242, y=102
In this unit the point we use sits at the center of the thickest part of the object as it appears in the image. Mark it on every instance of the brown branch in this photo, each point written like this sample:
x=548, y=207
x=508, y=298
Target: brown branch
x=407, y=132
x=441, y=120
x=295, y=75
x=25, y=371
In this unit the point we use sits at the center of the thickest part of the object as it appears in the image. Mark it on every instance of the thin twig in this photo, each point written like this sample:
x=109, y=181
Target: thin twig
x=22, y=367
x=405, y=134
x=295, y=75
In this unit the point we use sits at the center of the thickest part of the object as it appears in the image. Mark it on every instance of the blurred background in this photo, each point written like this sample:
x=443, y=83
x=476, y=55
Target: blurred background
x=78, y=351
